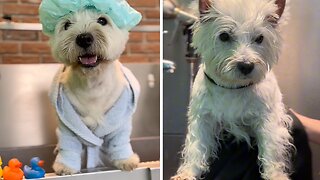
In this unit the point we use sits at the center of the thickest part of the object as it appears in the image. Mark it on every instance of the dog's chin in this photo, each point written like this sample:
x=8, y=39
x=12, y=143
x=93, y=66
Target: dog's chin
x=89, y=61
x=238, y=81
x=235, y=78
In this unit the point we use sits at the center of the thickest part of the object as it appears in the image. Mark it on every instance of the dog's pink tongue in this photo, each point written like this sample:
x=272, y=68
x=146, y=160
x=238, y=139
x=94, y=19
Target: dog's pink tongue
x=88, y=60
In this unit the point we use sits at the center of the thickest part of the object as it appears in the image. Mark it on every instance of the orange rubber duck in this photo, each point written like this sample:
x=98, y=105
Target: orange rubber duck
x=0, y=167
x=13, y=172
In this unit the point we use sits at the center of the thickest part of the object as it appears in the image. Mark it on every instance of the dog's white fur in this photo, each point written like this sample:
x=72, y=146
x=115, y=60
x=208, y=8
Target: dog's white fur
x=254, y=111
x=92, y=91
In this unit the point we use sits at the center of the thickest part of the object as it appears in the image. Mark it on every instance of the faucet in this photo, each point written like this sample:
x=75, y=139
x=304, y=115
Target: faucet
x=169, y=66
x=170, y=10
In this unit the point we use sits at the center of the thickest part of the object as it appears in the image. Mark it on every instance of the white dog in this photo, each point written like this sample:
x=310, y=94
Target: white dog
x=235, y=90
x=94, y=95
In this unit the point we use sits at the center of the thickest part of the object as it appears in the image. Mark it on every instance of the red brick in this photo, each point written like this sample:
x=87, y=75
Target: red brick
x=35, y=47
x=43, y=37
x=20, y=35
x=136, y=37
x=144, y=3
x=11, y=1
x=152, y=14
x=20, y=59
x=6, y=47
x=154, y=59
x=48, y=59
x=154, y=36
x=31, y=1
x=150, y=22
x=25, y=19
x=19, y=9
x=134, y=58
x=144, y=48
x=141, y=10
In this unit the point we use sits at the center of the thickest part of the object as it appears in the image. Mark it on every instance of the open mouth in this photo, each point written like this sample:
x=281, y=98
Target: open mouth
x=89, y=60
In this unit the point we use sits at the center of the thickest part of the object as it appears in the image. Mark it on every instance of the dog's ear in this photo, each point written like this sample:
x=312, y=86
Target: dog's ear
x=204, y=6
x=281, y=5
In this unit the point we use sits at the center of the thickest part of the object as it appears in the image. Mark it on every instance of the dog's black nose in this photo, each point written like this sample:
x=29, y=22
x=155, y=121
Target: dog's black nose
x=245, y=67
x=84, y=40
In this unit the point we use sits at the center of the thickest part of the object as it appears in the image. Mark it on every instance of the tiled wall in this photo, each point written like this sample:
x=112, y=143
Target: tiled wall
x=32, y=46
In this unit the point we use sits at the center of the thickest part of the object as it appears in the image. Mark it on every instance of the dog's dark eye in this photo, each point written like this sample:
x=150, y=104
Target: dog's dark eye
x=224, y=37
x=67, y=25
x=103, y=21
x=259, y=39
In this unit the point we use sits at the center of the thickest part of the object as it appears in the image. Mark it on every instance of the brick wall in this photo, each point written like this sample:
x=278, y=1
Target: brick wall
x=32, y=46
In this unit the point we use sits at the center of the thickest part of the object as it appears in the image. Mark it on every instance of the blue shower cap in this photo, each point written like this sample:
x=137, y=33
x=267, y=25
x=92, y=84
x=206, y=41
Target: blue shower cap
x=50, y=11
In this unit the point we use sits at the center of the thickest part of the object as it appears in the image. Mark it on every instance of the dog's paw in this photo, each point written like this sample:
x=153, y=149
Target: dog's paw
x=275, y=175
x=127, y=164
x=61, y=169
x=182, y=177
x=56, y=150
x=279, y=176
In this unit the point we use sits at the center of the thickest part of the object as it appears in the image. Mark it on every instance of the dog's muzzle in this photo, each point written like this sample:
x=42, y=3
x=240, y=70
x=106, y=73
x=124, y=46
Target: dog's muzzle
x=213, y=82
x=88, y=60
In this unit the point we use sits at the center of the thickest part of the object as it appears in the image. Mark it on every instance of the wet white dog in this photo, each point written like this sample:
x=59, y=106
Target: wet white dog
x=235, y=90
x=95, y=83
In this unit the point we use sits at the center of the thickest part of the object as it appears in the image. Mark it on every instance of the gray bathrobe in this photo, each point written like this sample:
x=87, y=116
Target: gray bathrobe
x=109, y=141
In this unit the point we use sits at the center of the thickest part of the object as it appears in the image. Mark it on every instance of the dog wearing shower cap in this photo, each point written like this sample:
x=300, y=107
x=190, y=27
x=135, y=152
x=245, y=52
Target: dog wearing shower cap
x=93, y=94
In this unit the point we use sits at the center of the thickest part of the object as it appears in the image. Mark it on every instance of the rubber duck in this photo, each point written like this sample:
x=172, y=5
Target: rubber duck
x=13, y=172
x=35, y=171
x=0, y=167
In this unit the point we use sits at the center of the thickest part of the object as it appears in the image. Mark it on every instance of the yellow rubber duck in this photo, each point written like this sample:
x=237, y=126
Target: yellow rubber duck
x=0, y=167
